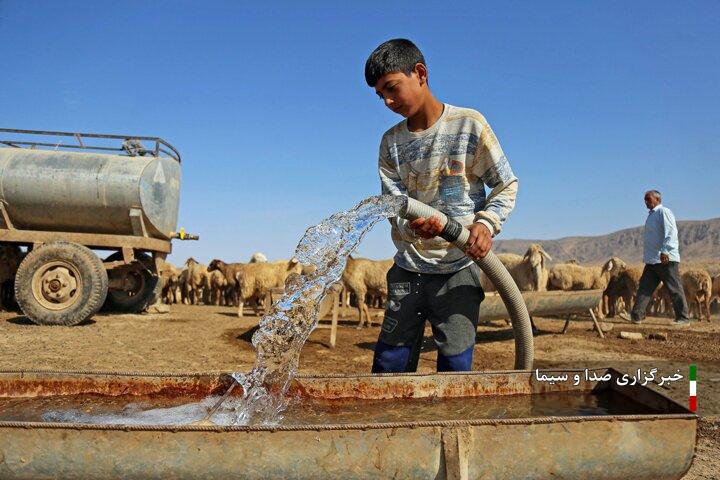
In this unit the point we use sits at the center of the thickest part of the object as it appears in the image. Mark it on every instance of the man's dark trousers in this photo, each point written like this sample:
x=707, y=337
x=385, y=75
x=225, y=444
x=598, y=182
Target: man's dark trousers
x=652, y=275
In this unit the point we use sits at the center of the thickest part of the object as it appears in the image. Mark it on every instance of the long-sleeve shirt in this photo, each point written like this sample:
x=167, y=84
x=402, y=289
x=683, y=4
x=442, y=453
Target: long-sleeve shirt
x=446, y=166
x=661, y=236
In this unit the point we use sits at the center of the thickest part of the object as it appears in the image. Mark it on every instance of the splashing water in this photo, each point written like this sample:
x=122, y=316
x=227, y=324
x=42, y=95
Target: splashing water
x=323, y=250
x=284, y=330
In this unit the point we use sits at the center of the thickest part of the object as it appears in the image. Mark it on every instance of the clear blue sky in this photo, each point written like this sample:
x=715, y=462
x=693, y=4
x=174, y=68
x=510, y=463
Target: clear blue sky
x=593, y=103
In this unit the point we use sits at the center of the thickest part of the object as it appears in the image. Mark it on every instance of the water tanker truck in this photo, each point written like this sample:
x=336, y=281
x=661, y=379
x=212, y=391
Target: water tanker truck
x=64, y=196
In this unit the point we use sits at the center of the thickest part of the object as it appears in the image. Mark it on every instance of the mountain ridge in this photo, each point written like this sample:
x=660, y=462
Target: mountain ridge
x=699, y=241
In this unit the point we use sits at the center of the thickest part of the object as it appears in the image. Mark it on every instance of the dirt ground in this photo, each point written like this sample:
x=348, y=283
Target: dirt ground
x=213, y=339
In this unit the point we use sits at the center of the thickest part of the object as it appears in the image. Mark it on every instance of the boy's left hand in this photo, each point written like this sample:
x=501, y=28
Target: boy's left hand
x=480, y=241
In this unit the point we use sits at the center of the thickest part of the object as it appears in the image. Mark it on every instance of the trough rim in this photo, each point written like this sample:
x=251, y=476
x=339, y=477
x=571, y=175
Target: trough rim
x=347, y=426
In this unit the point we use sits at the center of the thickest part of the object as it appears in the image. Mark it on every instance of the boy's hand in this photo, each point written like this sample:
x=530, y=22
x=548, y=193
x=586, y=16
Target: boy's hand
x=426, y=227
x=480, y=241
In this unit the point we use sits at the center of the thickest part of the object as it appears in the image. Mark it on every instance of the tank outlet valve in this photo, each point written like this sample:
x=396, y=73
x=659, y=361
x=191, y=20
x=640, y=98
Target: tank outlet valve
x=181, y=235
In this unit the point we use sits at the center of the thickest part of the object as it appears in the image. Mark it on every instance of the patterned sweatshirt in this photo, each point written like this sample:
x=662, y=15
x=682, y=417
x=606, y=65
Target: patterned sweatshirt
x=447, y=167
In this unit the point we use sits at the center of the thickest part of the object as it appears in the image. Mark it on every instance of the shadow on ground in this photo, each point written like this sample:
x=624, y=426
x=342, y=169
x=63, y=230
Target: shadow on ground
x=22, y=320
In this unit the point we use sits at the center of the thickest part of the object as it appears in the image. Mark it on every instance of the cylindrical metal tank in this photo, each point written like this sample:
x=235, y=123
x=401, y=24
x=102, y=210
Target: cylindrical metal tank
x=89, y=192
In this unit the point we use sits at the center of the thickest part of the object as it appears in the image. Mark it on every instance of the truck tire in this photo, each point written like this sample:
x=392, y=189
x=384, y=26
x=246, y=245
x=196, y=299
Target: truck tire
x=60, y=283
x=147, y=291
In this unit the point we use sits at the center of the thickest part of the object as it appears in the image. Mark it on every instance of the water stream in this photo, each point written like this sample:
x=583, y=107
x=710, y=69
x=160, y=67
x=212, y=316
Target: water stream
x=284, y=330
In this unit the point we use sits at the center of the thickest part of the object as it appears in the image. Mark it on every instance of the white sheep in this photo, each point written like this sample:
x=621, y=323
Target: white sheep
x=363, y=276
x=568, y=276
x=529, y=271
x=215, y=286
x=171, y=278
x=193, y=280
x=258, y=257
x=256, y=280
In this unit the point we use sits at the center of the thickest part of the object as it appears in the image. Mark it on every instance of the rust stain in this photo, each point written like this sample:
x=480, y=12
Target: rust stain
x=48, y=385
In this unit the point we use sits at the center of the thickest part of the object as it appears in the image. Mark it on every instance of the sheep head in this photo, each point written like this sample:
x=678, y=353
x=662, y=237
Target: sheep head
x=614, y=266
x=258, y=257
x=216, y=264
x=191, y=261
x=294, y=265
x=535, y=256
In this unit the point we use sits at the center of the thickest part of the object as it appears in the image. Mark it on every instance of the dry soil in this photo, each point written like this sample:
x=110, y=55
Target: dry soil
x=213, y=339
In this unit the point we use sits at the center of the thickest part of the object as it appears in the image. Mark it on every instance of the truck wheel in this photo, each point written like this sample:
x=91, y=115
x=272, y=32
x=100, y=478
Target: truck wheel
x=60, y=283
x=145, y=285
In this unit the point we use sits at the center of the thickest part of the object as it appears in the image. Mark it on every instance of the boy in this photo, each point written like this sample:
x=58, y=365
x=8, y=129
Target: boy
x=443, y=156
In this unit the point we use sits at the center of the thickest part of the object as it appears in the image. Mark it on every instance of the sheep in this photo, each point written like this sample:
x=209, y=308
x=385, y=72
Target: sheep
x=567, y=276
x=170, y=276
x=363, y=276
x=257, y=279
x=258, y=257
x=662, y=302
x=377, y=300
x=215, y=285
x=698, y=290
x=631, y=279
x=193, y=281
x=230, y=271
x=716, y=289
x=10, y=258
x=529, y=271
x=623, y=285
x=612, y=295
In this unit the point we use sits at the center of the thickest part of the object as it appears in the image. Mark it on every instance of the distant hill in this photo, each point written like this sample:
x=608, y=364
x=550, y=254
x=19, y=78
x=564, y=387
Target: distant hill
x=699, y=241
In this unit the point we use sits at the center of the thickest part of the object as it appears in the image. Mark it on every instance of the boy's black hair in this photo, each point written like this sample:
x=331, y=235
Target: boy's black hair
x=396, y=55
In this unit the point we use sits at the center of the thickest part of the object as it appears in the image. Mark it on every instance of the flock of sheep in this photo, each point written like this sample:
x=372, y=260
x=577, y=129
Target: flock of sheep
x=363, y=281
x=251, y=284
x=618, y=280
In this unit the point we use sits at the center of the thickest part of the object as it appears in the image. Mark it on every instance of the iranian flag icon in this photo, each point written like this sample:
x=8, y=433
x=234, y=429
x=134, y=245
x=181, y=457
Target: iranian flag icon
x=693, y=388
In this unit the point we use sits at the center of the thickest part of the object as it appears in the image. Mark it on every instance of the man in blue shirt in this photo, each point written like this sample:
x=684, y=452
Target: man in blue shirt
x=661, y=257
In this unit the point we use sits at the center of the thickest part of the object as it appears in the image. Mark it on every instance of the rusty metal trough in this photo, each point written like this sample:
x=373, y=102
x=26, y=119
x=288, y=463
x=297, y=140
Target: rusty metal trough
x=654, y=446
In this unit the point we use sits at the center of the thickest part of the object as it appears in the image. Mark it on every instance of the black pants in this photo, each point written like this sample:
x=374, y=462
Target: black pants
x=652, y=275
x=450, y=302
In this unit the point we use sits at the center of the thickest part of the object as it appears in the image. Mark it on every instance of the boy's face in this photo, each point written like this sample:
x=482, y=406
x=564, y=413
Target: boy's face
x=403, y=94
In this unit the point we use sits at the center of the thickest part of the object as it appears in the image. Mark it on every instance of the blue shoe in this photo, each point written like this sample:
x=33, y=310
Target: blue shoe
x=636, y=321
x=681, y=322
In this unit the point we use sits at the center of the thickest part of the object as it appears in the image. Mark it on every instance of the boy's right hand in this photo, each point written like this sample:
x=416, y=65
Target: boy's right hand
x=427, y=227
